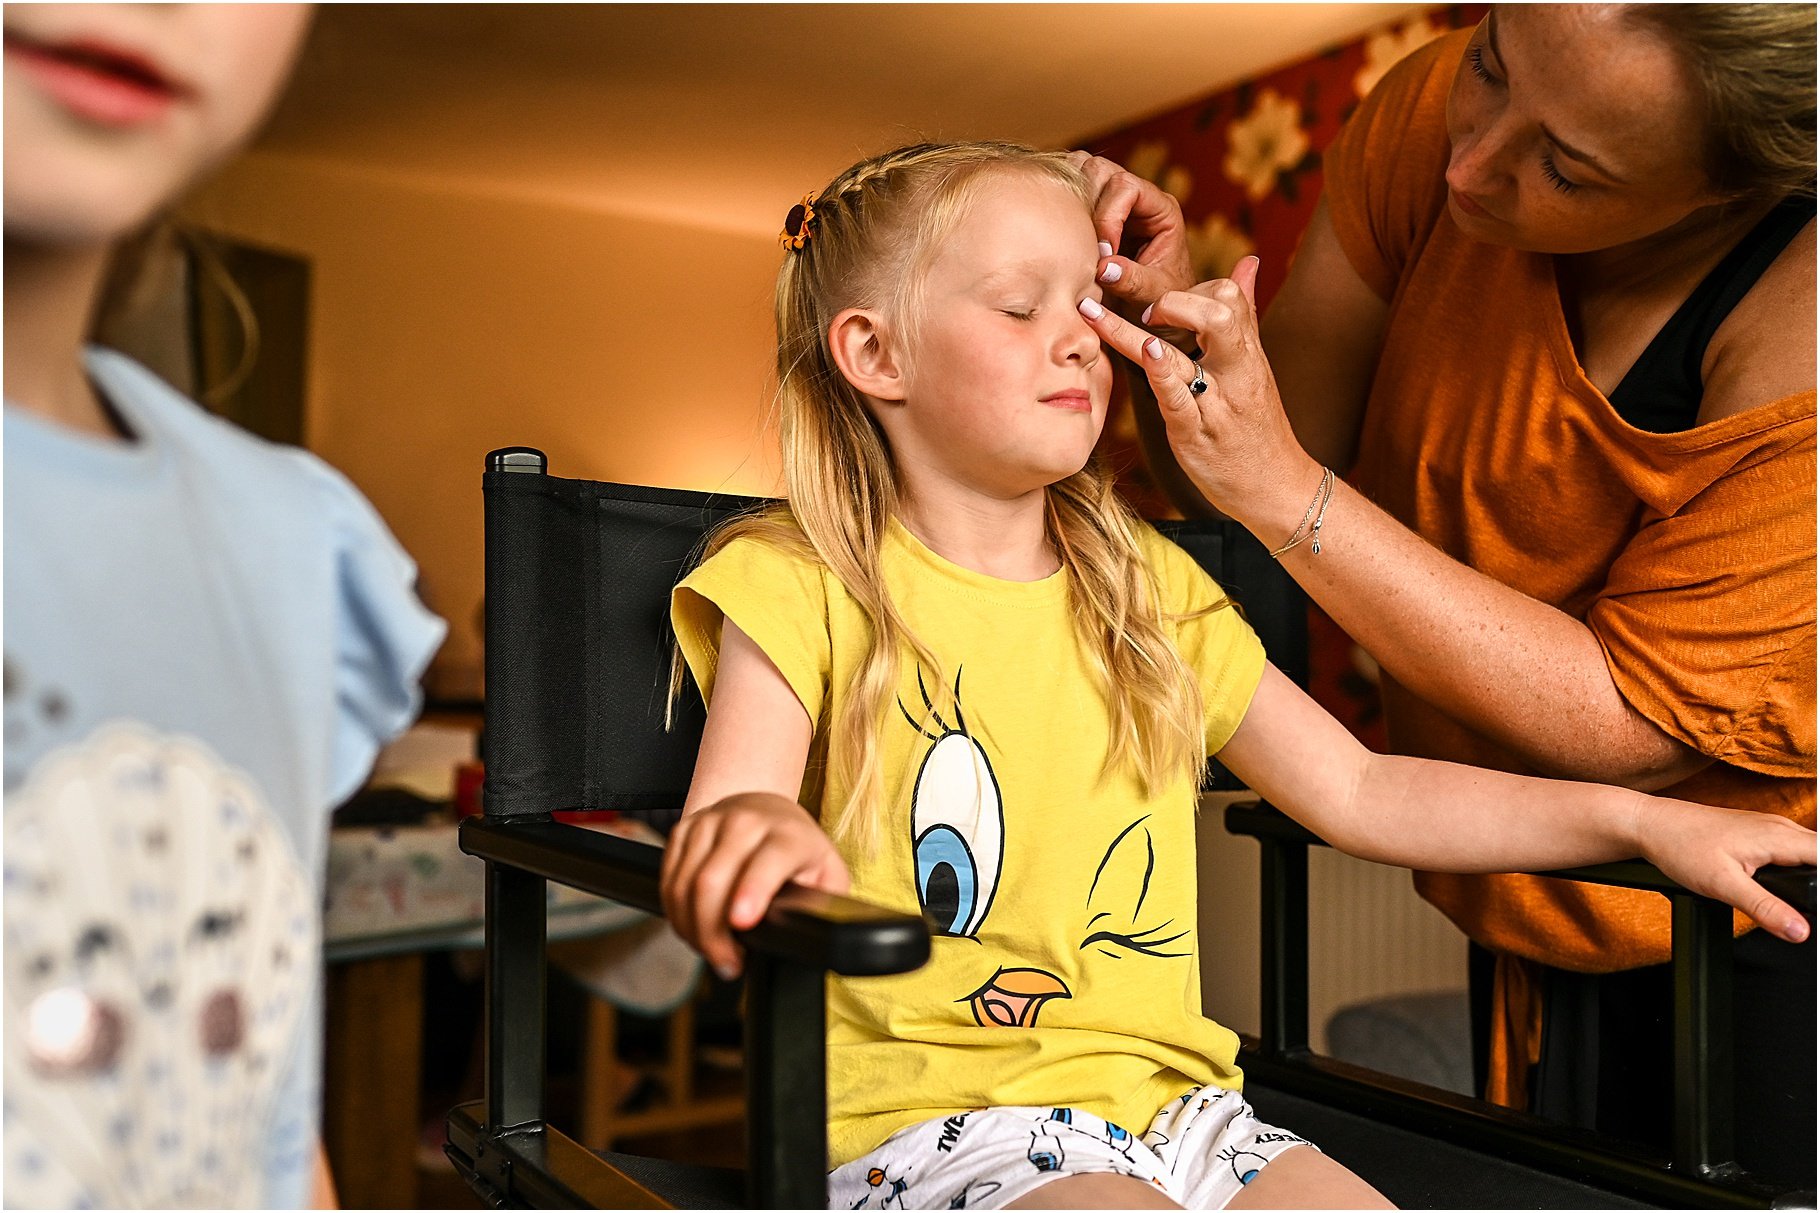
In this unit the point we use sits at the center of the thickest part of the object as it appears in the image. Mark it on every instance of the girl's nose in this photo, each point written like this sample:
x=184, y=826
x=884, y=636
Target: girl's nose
x=1079, y=343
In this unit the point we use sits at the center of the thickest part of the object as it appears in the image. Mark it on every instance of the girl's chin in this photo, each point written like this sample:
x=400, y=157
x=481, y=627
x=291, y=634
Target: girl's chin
x=72, y=218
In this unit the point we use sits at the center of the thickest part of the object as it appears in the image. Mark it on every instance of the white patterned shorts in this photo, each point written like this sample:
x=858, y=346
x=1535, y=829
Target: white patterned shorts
x=1200, y=1149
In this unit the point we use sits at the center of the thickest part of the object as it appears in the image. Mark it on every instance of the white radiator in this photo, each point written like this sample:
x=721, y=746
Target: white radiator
x=1370, y=936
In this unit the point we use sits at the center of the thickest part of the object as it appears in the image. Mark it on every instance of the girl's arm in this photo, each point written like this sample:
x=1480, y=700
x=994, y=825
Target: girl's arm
x=1529, y=676
x=1443, y=817
x=743, y=835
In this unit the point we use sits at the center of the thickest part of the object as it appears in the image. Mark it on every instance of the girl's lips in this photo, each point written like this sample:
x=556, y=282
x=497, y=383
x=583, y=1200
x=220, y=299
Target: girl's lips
x=1079, y=402
x=100, y=84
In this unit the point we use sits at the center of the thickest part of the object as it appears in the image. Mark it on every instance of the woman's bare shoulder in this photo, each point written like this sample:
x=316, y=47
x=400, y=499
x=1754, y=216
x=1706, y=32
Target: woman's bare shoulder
x=1764, y=351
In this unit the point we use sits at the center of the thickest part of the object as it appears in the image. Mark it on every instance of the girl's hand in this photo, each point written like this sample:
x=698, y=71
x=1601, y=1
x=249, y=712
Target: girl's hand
x=725, y=863
x=1717, y=852
x=1130, y=210
x=1233, y=440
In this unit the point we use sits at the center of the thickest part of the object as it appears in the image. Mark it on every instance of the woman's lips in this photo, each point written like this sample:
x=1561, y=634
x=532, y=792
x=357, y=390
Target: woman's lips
x=1467, y=203
x=100, y=84
x=1079, y=402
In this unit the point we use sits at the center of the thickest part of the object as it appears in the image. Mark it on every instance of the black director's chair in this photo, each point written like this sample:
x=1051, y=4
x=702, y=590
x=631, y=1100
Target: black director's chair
x=578, y=576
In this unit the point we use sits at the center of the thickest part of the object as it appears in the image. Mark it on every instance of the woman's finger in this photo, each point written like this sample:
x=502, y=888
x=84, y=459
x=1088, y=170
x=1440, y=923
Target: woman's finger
x=1113, y=203
x=1168, y=369
x=1134, y=281
x=1218, y=314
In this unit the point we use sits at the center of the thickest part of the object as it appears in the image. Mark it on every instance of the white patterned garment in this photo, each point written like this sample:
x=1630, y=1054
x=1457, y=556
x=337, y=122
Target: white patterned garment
x=154, y=989
x=1199, y=1150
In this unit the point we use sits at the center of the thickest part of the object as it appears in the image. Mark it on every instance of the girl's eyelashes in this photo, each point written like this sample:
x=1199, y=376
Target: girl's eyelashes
x=1016, y=314
x=1554, y=176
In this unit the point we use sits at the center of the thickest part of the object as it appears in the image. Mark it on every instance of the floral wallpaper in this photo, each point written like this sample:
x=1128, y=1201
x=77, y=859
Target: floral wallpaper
x=1245, y=163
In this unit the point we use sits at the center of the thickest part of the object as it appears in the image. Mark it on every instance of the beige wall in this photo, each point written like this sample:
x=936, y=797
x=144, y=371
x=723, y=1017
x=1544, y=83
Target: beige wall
x=449, y=319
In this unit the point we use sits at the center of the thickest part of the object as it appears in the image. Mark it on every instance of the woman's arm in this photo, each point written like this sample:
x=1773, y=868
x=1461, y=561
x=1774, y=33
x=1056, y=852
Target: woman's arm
x=1445, y=817
x=743, y=836
x=1525, y=674
x=1323, y=333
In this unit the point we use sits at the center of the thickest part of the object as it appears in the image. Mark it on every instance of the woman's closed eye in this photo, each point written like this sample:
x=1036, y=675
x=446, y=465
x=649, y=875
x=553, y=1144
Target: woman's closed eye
x=1475, y=59
x=1554, y=175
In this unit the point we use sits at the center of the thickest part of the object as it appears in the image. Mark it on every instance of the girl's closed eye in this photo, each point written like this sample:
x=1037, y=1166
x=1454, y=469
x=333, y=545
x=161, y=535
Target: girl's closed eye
x=1019, y=313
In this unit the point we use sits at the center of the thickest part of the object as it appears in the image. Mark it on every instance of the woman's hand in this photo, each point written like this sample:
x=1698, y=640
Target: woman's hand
x=1717, y=852
x=1233, y=440
x=1131, y=213
x=725, y=863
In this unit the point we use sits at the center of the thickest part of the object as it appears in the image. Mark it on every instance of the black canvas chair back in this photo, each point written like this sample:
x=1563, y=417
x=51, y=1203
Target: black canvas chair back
x=578, y=579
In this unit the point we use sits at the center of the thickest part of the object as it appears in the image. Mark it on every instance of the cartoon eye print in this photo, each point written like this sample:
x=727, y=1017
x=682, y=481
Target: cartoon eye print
x=957, y=823
x=1045, y=1151
x=1245, y=1163
x=1127, y=868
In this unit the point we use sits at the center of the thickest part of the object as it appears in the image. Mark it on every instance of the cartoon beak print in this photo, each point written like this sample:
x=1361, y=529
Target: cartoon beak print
x=1013, y=997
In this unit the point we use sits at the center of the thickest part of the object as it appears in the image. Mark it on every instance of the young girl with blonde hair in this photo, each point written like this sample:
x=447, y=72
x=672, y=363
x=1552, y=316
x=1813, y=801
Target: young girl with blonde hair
x=956, y=674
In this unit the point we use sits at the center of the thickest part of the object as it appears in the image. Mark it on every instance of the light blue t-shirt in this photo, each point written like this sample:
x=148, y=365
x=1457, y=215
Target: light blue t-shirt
x=207, y=639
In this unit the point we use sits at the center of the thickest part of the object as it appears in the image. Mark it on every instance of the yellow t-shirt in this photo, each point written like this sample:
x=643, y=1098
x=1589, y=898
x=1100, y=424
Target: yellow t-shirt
x=1065, y=969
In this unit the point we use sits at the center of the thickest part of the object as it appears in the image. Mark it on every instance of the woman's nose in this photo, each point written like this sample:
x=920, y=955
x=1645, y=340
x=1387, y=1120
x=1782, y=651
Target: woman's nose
x=1479, y=163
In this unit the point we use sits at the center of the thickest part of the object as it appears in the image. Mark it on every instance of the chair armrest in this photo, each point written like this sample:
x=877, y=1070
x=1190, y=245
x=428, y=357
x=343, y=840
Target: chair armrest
x=1793, y=885
x=822, y=930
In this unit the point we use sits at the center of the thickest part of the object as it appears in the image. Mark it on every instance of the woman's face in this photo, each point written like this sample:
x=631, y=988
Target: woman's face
x=113, y=109
x=1572, y=130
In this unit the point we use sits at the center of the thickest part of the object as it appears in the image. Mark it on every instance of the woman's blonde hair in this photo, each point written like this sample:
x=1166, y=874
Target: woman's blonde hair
x=874, y=229
x=1755, y=67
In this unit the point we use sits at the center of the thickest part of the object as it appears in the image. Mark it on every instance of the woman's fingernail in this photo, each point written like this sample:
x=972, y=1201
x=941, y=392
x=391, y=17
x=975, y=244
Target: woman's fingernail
x=1105, y=249
x=728, y=972
x=1153, y=348
x=1091, y=309
x=1112, y=272
x=1145, y=318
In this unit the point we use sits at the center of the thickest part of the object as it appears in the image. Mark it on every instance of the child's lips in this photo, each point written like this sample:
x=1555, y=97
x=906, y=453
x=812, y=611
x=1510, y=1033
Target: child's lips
x=102, y=83
x=1074, y=400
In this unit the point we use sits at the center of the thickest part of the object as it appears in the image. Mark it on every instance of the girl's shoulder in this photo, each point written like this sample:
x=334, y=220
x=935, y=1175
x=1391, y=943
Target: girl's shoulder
x=767, y=536
x=1183, y=584
x=760, y=554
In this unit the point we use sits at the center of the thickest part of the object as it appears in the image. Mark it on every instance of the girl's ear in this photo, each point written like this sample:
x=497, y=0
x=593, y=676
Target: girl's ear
x=863, y=352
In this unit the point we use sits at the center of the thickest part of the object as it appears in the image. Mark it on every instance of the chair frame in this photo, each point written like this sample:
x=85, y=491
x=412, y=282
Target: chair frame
x=1700, y=1173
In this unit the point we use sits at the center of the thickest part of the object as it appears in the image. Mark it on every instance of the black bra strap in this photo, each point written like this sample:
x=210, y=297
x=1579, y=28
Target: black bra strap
x=1661, y=392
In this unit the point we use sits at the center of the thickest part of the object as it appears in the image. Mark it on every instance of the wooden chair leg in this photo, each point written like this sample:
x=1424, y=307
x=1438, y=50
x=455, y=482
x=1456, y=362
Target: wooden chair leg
x=599, y=1066
x=679, y=1063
